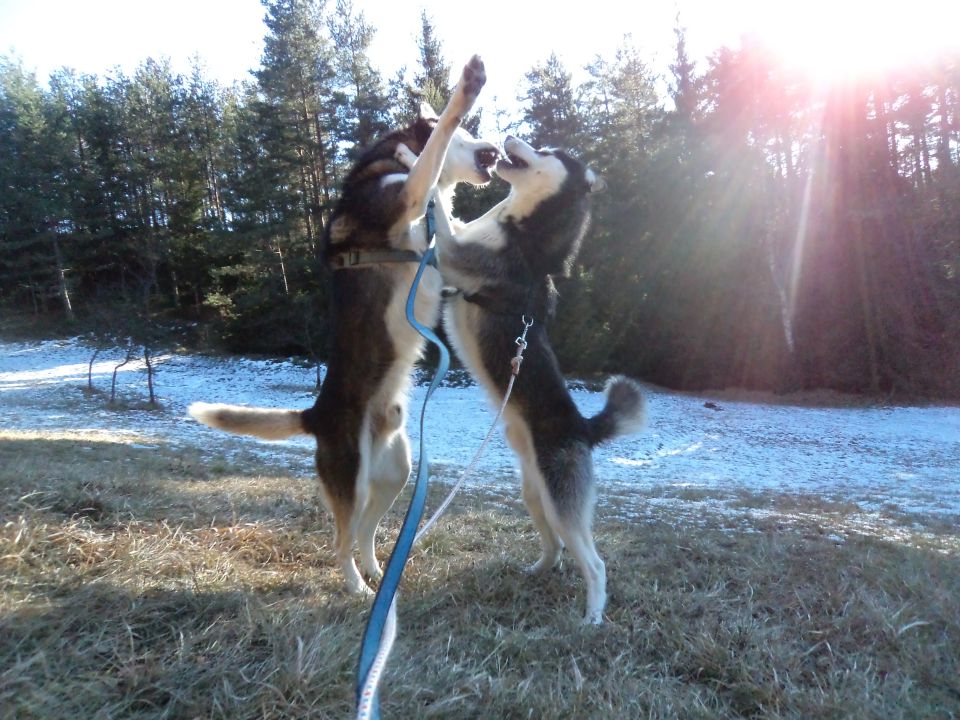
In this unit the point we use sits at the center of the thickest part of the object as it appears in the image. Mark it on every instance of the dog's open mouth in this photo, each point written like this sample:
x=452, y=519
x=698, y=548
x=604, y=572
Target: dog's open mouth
x=486, y=159
x=514, y=161
x=517, y=161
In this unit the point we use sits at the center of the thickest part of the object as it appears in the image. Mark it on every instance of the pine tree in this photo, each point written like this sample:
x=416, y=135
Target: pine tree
x=34, y=221
x=551, y=113
x=296, y=80
x=434, y=73
x=621, y=113
x=683, y=90
x=365, y=103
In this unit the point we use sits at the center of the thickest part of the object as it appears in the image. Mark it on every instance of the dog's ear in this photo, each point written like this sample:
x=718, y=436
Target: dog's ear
x=427, y=113
x=595, y=182
x=427, y=120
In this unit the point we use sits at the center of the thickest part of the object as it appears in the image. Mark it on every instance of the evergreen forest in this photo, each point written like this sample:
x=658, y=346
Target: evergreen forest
x=759, y=230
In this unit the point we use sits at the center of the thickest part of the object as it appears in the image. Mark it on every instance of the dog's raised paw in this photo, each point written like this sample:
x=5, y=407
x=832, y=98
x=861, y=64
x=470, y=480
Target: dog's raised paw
x=473, y=78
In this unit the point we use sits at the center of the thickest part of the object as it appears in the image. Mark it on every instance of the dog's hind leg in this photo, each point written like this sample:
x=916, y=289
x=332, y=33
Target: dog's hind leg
x=579, y=540
x=388, y=475
x=344, y=491
x=550, y=542
x=568, y=498
x=345, y=540
x=518, y=435
x=574, y=529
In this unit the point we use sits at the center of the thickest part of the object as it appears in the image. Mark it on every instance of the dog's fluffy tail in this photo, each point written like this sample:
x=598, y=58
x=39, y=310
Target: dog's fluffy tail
x=266, y=423
x=624, y=413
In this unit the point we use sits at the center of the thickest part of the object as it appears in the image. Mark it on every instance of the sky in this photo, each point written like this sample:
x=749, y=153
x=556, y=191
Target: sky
x=96, y=35
x=826, y=36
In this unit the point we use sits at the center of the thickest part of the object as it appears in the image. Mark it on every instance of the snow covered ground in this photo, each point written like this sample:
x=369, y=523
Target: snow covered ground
x=882, y=458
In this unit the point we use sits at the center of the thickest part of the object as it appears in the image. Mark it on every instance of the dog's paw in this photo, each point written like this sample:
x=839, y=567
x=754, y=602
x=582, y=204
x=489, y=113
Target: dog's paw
x=374, y=574
x=540, y=567
x=472, y=80
x=474, y=77
x=359, y=588
x=405, y=156
x=549, y=560
x=593, y=618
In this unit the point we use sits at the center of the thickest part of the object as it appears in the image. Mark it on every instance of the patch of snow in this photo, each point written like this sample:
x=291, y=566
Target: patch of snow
x=905, y=458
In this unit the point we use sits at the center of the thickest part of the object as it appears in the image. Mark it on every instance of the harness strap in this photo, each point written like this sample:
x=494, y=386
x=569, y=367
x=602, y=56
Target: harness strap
x=506, y=305
x=364, y=258
x=349, y=259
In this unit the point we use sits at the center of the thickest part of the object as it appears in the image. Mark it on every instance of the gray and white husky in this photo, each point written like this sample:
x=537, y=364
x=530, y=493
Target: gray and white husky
x=376, y=230
x=502, y=263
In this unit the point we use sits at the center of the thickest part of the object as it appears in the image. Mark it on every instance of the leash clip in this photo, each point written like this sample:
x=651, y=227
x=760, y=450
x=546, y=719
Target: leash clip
x=521, y=345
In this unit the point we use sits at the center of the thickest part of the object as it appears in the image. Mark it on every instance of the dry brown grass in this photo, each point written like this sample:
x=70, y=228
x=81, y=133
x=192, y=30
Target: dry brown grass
x=144, y=582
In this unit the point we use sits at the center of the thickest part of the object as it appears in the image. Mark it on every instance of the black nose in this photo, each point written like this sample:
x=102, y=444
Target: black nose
x=510, y=138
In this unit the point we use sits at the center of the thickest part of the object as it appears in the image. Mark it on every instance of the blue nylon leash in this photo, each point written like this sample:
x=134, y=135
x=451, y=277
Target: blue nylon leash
x=373, y=635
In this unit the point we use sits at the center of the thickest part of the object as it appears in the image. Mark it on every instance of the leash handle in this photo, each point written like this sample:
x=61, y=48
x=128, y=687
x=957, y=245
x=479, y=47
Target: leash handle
x=381, y=626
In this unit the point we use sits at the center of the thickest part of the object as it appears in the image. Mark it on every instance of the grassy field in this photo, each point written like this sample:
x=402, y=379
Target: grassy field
x=139, y=582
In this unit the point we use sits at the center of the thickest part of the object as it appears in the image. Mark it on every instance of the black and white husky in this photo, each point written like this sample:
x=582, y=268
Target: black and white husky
x=502, y=264
x=376, y=230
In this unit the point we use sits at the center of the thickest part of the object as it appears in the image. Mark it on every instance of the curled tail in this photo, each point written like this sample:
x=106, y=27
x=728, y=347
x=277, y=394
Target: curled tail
x=624, y=413
x=266, y=423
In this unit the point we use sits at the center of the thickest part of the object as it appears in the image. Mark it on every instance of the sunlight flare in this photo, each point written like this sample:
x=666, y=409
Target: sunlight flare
x=836, y=41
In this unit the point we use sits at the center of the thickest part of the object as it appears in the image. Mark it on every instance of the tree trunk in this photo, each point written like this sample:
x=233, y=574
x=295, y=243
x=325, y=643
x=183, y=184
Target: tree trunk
x=283, y=270
x=62, y=280
x=90, y=369
x=944, y=157
x=867, y=311
x=786, y=311
x=889, y=128
x=113, y=383
x=146, y=359
x=925, y=155
x=305, y=194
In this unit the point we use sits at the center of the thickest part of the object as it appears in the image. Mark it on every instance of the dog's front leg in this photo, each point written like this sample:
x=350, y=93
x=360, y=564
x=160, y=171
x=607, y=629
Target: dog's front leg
x=459, y=262
x=406, y=157
x=444, y=237
x=426, y=170
x=441, y=216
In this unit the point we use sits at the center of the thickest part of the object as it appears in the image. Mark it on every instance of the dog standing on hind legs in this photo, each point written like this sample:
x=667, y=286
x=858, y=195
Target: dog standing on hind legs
x=502, y=265
x=374, y=239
